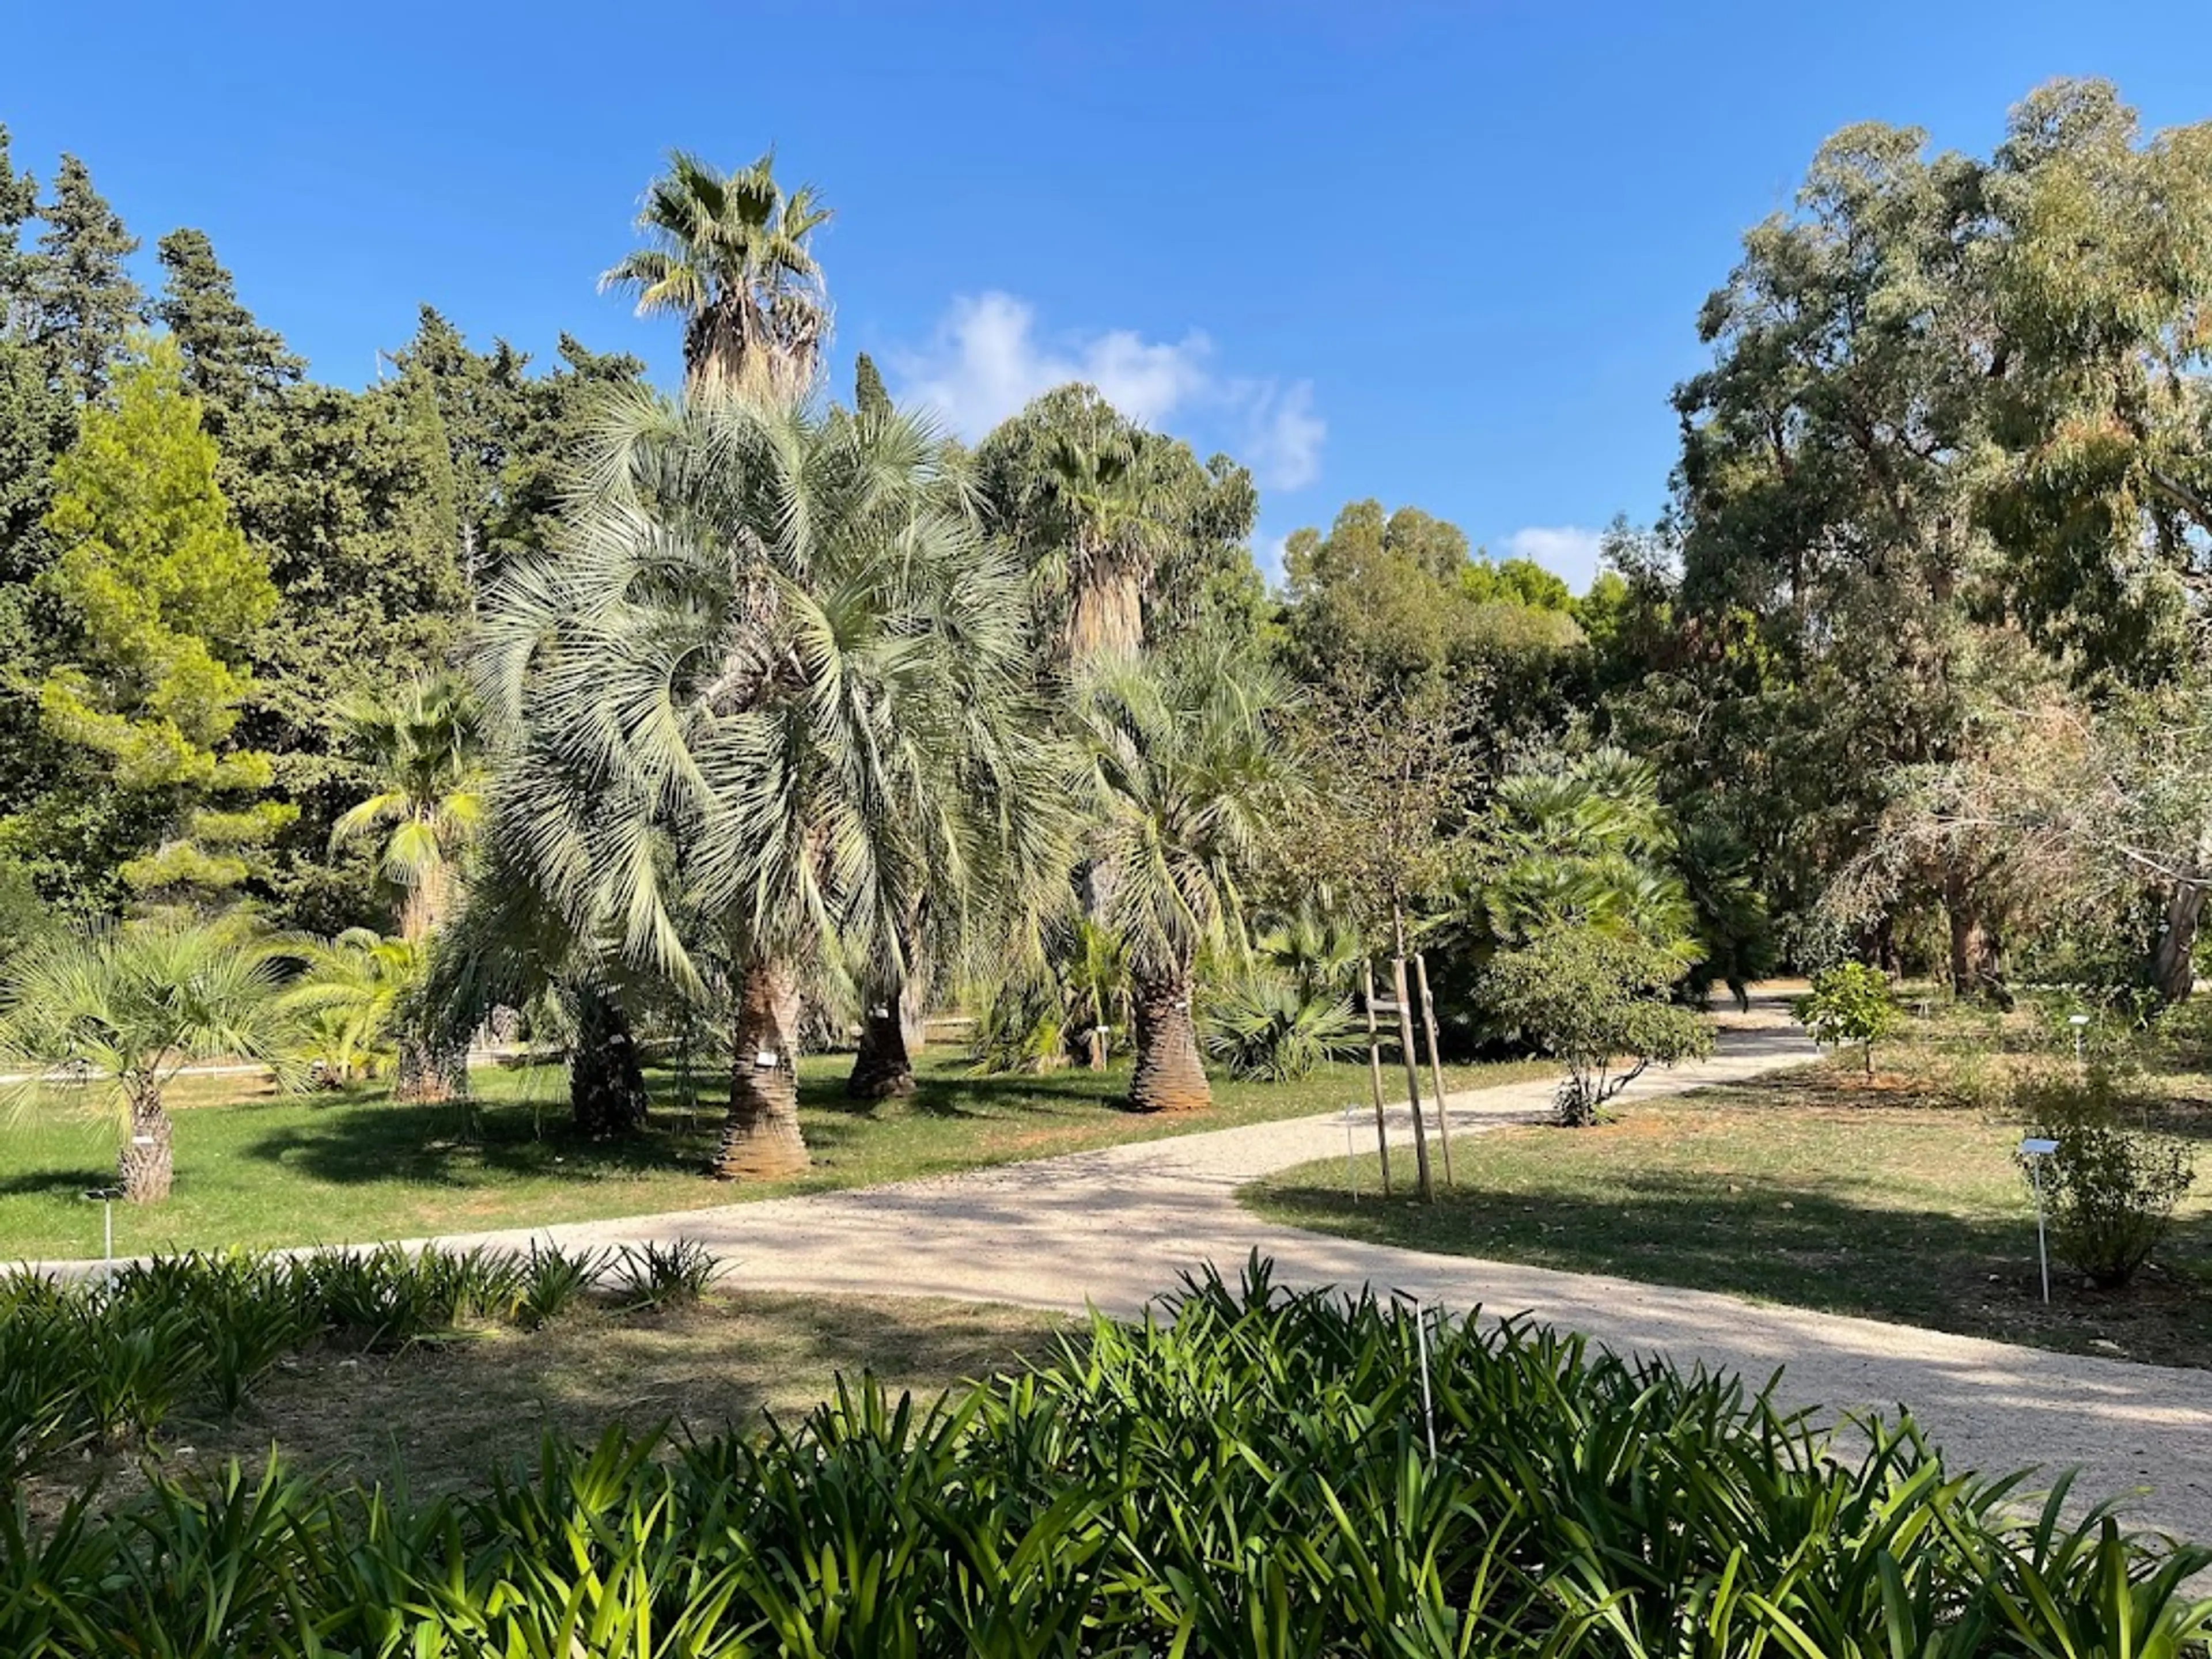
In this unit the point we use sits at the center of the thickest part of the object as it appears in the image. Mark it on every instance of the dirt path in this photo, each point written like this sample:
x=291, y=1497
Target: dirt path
x=1115, y=1227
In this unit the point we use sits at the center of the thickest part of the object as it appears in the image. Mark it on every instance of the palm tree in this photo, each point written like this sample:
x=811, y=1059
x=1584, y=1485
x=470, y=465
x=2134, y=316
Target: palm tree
x=765, y=703
x=424, y=752
x=350, y=1001
x=729, y=255
x=121, y=1009
x=1182, y=765
x=1115, y=526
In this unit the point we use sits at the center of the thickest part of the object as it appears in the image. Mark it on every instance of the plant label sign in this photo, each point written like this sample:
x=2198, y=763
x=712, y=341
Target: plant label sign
x=2034, y=1148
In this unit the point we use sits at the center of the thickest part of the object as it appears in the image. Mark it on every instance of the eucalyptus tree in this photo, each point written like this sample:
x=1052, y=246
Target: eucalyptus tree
x=729, y=254
x=1184, y=761
x=756, y=712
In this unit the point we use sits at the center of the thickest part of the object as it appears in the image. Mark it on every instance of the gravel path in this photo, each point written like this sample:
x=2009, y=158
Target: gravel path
x=1115, y=1227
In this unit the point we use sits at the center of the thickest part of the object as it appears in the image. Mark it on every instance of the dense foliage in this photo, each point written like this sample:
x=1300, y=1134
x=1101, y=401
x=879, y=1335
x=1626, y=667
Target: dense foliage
x=1244, y=1473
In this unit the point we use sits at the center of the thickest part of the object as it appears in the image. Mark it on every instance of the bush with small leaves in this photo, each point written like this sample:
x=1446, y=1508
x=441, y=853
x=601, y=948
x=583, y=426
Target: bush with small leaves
x=2111, y=1186
x=1850, y=1003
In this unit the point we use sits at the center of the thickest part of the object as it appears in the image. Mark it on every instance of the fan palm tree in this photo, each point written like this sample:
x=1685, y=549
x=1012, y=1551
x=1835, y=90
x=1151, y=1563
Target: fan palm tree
x=1115, y=527
x=765, y=701
x=1181, y=765
x=424, y=752
x=425, y=756
x=728, y=253
x=351, y=1000
x=120, y=1010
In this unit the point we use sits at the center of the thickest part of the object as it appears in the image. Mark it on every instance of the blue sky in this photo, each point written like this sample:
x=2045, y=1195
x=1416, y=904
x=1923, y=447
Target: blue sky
x=1444, y=254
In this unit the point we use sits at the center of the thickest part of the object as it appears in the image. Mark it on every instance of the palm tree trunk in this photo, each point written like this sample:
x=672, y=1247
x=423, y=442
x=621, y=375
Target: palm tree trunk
x=606, y=1083
x=1107, y=623
x=429, y=1077
x=144, y=1167
x=890, y=1025
x=761, y=1140
x=1170, y=1076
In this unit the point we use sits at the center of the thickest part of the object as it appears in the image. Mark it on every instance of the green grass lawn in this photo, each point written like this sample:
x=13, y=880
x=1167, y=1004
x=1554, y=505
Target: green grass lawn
x=347, y=1168
x=1810, y=1187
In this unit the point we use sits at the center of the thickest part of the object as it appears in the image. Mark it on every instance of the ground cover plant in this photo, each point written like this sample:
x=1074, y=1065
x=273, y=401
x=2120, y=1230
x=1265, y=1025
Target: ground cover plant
x=354, y=1166
x=1896, y=1197
x=1247, y=1473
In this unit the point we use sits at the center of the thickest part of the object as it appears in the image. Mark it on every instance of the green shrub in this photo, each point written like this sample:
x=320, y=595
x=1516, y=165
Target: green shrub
x=1258, y=1025
x=1246, y=1473
x=1850, y=1003
x=2111, y=1188
x=672, y=1275
x=1599, y=1001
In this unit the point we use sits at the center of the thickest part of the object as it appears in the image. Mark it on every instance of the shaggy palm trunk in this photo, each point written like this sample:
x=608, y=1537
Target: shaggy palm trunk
x=428, y=1075
x=1169, y=1077
x=146, y=1164
x=2173, y=958
x=890, y=1035
x=761, y=1140
x=606, y=1083
x=1106, y=622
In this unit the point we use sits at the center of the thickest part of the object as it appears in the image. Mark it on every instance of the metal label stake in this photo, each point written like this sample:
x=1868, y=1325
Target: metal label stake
x=2035, y=1152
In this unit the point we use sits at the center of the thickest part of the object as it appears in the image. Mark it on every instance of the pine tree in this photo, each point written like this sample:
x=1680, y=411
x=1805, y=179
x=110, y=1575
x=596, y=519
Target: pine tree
x=231, y=361
x=85, y=301
x=164, y=594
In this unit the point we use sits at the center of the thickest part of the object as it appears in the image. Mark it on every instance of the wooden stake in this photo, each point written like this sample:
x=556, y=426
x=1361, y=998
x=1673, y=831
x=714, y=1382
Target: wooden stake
x=1375, y=1071
x=1435, y=1063
x=1426, y=1182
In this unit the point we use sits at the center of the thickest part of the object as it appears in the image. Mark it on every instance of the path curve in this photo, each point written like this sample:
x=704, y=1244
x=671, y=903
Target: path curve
x=1115, y=1227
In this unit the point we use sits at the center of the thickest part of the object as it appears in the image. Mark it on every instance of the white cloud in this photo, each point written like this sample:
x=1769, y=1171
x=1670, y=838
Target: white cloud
x=1567, y=551
x=985, y=360
x=1268, y=552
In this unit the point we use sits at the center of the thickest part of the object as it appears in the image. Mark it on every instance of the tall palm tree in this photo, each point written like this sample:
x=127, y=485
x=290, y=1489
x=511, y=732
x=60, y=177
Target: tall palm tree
x=765, y=702
x=1182, y=766
x=728, y=253
x=120, y=1010
x=1115, y=525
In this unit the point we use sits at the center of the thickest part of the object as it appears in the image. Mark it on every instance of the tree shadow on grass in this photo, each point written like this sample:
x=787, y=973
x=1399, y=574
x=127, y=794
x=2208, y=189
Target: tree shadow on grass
x=1838, y=1249
x=65, y=1183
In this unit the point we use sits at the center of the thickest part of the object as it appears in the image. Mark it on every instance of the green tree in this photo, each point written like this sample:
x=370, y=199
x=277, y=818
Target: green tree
x=728, y=253
x=424, y=755
x=163, y=595
x=1183, y=764
x=128, y=1007
x=1599, y=1000
x=85, y=303
x=764, y=703
x=232, y=364
x=1850, y=1003
x=1130, y=542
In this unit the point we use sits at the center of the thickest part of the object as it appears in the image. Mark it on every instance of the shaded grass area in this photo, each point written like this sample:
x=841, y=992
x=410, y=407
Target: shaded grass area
x=444, y=1416
x=1815, y=1189
x=259, y=1171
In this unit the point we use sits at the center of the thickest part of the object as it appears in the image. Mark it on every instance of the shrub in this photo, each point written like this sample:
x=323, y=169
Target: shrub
x=1850, y=1003
x=1598, y=999
x=672, y=1275
x=2110, y=1189
x=1246, y=1472
x=1259, y=1025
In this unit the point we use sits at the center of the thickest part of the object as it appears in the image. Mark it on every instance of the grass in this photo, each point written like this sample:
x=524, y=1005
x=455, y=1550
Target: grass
x=266, y=1170
x=1815, y=1187
x=444, y=1416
